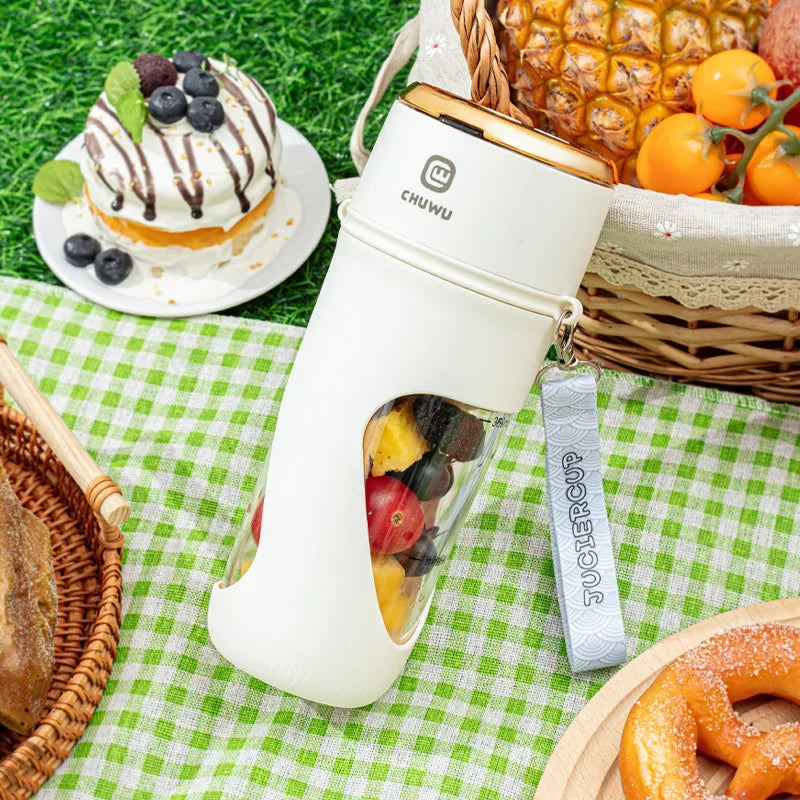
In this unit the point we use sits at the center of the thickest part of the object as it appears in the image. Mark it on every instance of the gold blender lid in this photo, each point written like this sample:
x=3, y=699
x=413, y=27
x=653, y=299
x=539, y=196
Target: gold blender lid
x=498, y=129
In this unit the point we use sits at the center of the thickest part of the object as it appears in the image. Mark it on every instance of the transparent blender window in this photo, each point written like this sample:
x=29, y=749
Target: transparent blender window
x=424, y=457
x=244, y=550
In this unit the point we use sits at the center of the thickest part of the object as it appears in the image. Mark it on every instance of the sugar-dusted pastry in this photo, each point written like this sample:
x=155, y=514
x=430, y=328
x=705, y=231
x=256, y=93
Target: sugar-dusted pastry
x=27, y=613
x=688, y=708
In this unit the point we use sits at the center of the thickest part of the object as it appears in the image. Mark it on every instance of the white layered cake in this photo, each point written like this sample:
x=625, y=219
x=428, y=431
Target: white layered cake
x=198, y=203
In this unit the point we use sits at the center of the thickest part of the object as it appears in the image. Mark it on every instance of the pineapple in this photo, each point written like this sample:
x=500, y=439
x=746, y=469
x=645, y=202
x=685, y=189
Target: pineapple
x=400, y=444
x=395, y=605
x=603, y=73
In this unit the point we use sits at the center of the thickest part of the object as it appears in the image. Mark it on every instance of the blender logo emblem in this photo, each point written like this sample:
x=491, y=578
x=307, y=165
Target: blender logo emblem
x=438, y=173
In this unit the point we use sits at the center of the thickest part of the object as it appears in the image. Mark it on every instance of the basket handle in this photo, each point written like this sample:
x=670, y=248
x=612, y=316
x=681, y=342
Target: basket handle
x=103, y=495
x=489, y=78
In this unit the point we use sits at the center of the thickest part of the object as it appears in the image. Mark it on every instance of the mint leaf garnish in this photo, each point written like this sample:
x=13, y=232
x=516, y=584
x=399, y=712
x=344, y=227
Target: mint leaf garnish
x=123, y=78
x=58, y=182
x=229, y=63
x=132, y=112
x=123, y=90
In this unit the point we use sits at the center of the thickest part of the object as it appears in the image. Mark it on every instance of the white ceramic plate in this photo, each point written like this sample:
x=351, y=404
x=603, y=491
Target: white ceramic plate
x=302, y=170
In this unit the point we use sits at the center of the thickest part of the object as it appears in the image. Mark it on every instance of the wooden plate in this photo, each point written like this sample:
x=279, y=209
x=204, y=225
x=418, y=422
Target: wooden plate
x=584, y=763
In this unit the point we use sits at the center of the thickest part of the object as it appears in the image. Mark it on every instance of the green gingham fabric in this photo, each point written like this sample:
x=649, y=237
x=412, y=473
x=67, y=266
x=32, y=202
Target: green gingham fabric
x=702, y=489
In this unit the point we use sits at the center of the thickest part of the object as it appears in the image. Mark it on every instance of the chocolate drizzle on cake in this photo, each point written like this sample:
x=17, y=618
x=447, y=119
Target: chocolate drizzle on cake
x=96, y=153
x=197, y=208
x=193, y=198
x=244, y=203
x=264, y=99
x=146, y=195
x=150, y=202
x=235, y=92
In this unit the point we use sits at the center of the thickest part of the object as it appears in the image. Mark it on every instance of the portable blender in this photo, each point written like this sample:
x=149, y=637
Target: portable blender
x=463, y=246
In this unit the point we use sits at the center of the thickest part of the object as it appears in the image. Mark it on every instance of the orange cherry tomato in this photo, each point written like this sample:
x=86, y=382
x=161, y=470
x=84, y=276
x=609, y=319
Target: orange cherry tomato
x=773, y=175
x=722, y=88
x=749, y=199
x=678, y=157
x=717, y=198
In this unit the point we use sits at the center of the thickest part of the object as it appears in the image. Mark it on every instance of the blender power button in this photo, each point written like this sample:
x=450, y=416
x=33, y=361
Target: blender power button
x=462, y=126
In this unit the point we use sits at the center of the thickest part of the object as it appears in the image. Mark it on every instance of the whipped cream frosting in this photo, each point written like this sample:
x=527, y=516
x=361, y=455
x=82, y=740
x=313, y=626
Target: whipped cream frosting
x=179, y=179
x=177, y=275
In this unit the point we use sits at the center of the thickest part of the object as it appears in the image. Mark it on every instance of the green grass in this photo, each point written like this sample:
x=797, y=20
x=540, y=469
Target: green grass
x=317, y=59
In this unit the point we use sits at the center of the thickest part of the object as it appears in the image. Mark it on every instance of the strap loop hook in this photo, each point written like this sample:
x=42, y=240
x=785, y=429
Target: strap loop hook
x=566, y=360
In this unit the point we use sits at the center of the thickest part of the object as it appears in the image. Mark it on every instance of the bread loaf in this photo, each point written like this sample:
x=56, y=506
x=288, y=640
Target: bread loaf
x=27, y=613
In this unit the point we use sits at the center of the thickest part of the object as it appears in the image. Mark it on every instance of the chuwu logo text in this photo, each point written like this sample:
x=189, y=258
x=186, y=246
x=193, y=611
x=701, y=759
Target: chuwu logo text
x=426, y=204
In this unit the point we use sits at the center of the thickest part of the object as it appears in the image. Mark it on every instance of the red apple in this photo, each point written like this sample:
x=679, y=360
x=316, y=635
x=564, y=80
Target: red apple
x=780, y=47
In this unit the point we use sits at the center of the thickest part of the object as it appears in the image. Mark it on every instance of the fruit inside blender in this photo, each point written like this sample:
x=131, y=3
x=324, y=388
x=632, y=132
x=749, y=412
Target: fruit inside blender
x=424, y=457
x=244, y=551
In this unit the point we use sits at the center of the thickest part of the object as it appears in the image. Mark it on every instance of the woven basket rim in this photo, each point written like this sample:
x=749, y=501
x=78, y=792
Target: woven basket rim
x=35, y=759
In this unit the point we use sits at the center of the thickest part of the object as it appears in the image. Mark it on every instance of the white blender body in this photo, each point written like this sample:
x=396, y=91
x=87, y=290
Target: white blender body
x=461, y=248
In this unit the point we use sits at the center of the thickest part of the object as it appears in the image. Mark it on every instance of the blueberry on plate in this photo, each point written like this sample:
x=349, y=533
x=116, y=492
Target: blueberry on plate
x=205, y=114
x=113, y=266
x=200, y=83
x=184, y=60
x=168, y=104
x=80, y=250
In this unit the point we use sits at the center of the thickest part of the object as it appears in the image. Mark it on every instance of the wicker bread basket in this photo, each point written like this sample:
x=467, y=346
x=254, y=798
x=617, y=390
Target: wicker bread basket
x=58, y=481
x=626, y=328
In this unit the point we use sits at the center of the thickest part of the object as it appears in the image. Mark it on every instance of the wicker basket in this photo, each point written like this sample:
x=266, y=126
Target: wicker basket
x=56, y=479
x=627, y=329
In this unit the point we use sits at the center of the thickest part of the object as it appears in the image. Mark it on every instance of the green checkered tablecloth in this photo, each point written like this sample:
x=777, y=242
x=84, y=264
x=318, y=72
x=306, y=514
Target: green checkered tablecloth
x=702, y=489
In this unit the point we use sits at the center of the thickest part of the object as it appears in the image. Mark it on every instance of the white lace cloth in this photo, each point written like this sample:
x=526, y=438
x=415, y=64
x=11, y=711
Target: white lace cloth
x=697, y=291
x=699, y=252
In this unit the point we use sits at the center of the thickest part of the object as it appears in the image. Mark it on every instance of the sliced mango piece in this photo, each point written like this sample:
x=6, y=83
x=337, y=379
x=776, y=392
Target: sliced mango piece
x=388, y=574
x=401, y=444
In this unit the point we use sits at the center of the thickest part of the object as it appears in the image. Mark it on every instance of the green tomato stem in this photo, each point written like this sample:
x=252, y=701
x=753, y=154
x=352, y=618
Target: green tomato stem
x=774, y=122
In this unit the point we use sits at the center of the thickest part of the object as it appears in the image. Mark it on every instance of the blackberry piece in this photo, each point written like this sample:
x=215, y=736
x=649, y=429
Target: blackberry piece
x=455, y=433
x=154, y=71
x=434, y=416
x=464, y=440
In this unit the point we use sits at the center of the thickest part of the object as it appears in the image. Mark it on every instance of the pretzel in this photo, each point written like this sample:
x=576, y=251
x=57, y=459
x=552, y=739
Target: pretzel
x=689, y=708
